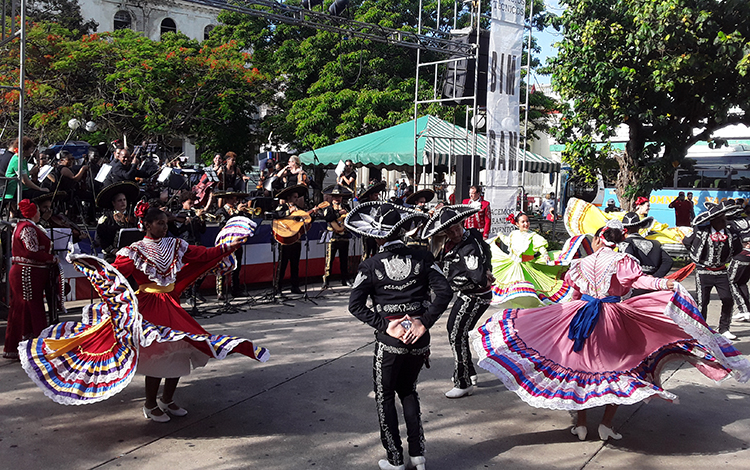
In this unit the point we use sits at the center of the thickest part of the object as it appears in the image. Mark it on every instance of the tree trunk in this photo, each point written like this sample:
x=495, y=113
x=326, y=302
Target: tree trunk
x=628, y=176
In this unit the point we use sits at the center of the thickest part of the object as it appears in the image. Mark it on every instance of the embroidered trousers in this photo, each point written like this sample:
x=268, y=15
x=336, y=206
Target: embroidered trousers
x=466, y=311
x=740, y=293
x=395, y=372
x=705, y=281
x=342, y=248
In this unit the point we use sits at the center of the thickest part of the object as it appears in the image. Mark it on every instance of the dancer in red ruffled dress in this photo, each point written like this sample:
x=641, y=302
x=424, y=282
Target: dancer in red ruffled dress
x=28, y=277
x=598, y=350
x=83, y=362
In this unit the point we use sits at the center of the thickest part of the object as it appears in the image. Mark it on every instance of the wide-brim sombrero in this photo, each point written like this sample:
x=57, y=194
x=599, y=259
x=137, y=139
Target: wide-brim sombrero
x=427, y=193
x=373, y=189
x=713, y=211
x=447, y=216
x=296, y=189
x=128, y=188
x=380, y=219
x=632, y=221
x=338, y=190
x=50, y=196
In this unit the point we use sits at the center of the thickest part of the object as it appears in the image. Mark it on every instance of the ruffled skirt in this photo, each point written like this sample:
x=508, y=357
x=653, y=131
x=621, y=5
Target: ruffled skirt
x=621, y=360
x=526, y=284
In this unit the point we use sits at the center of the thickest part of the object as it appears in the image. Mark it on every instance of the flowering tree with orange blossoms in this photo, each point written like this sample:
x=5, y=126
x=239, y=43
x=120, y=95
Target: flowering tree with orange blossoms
x=130, y=85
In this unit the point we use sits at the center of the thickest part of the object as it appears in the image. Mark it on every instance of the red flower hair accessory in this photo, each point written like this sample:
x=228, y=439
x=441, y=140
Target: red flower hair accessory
x=28, y=209
x=140, y=209
x=641, y=200
x=511, y=218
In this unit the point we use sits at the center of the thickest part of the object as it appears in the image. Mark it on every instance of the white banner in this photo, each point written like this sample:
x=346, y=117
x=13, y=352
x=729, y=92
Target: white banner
x=503, y=90
x=502, y=202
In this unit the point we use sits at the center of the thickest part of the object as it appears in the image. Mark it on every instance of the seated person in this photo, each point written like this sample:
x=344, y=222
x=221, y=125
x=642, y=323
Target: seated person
x=124, y=168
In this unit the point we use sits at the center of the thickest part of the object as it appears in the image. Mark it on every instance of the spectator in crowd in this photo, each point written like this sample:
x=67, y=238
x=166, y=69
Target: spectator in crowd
x=682, y=209
x=611, y=207
x=689, y=198
x=547, y=207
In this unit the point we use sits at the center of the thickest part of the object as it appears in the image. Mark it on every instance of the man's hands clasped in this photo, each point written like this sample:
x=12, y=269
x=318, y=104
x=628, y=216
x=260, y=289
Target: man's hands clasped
x=407, y=336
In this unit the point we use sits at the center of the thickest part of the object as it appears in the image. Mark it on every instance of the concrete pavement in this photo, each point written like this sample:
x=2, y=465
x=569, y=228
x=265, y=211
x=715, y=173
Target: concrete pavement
x=311, y=406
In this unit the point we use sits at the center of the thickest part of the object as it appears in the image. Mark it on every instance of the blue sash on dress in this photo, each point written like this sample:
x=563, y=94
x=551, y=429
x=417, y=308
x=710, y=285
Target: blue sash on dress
x=585, y=319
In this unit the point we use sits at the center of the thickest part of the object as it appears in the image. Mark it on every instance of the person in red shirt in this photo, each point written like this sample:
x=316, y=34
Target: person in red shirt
x=482, y=220
x=682, y=209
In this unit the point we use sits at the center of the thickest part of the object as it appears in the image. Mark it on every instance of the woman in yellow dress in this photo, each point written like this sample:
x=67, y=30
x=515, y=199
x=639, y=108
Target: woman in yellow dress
x=582, y=217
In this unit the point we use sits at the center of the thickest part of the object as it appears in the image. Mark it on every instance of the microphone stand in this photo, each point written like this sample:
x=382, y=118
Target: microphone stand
x=306, y=297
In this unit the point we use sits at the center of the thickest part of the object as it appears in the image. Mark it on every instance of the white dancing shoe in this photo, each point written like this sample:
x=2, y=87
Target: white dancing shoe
x=605, y=433
x=579, y=431
x=165, y=407
x=149, y=414
x=416, y=463
x=729, y=335
x=456, y=392
x=386, y=465
x=474, y=380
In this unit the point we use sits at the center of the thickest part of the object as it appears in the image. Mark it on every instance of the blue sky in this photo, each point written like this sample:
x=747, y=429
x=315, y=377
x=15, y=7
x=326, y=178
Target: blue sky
x=546, y=38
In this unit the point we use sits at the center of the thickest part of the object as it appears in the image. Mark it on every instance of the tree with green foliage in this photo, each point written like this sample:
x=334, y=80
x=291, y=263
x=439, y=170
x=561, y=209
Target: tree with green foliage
x=66, y=13
x=130, y=85
x=329, y=88
x=669, y=70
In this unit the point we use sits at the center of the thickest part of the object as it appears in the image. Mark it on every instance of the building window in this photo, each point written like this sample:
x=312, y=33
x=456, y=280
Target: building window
x=168, y=26
x=207, y=31
x=123, y=20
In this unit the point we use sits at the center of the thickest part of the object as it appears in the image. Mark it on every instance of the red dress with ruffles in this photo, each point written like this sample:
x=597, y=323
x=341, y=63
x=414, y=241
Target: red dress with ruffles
x=29, y=275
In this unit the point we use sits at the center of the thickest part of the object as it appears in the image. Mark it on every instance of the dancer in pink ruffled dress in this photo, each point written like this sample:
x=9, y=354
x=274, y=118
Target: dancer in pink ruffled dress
x=598, y=350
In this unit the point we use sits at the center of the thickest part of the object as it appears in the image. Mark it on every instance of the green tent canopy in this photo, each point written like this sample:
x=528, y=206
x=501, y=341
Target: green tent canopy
x=393, y=148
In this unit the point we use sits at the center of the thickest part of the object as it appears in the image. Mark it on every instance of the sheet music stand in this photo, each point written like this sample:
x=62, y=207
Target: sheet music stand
x=128, y=236
x=103, y=172
x=211, y=174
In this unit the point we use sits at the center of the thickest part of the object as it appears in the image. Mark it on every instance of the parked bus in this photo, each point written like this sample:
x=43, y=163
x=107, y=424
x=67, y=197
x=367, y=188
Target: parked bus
x=717, y=175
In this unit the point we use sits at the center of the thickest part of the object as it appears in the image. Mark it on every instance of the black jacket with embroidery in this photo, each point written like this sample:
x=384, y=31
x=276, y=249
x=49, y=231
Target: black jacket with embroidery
x=706, y=252
x=739, y=268
x=466, y=264
x=399, y=280
x=654, y=260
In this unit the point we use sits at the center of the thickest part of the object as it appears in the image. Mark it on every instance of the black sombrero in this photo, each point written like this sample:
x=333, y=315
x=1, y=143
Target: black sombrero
x=427, y=193
x=299, y=189
x=373, y=189
x=128, y=188
x=379, y=219
x=51, y=196
x=338, y=190
x=447, y=216
x=713, y=211
x=633, y=221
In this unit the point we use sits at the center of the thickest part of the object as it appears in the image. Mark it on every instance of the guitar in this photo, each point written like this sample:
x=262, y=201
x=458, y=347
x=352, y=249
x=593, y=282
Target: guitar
x=338, y=224
x=287, y=230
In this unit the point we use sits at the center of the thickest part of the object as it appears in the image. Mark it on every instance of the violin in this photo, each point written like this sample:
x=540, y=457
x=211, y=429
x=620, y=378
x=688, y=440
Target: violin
x=60, y=221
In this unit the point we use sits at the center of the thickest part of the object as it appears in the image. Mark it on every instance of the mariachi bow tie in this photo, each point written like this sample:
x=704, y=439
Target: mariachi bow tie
x=718, y=237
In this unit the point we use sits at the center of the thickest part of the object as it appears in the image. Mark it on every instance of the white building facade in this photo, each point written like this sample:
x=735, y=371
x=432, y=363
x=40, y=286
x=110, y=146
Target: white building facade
x=153, y=18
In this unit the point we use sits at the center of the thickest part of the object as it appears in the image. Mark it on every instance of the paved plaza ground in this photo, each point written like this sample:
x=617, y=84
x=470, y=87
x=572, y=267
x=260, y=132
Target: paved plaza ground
x=311, y=407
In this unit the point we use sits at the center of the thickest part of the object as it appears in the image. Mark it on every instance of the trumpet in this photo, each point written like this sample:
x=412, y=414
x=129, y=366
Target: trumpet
x=256, y=211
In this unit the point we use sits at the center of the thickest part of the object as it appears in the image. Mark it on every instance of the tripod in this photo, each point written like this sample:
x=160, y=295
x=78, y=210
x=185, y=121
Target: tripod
x=226, y=307
x=274, y=296
x=306, y=297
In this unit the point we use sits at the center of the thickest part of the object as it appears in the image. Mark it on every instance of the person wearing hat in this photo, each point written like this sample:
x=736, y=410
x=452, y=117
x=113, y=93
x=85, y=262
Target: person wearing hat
x=466, y=262
x=649, y=253
x=482, y=220
x=418, y=200
x=611, y=207
x=711, y=247
x=28, y=278
x=399, y=281
x=339, y=236
x=739, y=275
x=117, y=200
x=291, y=199
x=369, y=247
